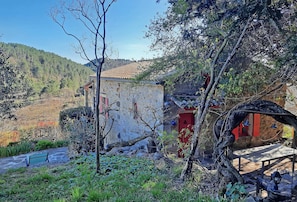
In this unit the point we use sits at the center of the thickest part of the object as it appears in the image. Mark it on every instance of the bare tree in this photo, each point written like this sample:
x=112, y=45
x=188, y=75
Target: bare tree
x=90, y=16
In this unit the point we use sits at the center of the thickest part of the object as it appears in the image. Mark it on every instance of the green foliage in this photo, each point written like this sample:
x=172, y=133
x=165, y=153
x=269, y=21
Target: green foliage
x=43, y=144
x=26, y=147
x=61, y=143
x=180, y=7
x=235, y=191
x=109, y=63
x=16, y=149
x=248, y=82
x=43, y=176
x=77, y=194
x=121, y=177
x=14, y=86
x=167, y=139
x=48, y=73
x=194, y=32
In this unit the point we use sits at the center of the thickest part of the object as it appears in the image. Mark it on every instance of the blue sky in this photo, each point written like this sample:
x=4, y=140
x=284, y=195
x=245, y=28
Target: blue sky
x=28, y=22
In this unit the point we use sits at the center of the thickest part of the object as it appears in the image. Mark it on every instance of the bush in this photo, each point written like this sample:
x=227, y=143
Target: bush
x=61, y=143
x=44, y=144
x=82, y=137
x=73, y=113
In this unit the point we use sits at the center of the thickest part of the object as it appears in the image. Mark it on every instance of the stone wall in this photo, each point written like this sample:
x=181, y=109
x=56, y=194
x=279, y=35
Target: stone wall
x=132, y=106
x=268, y=134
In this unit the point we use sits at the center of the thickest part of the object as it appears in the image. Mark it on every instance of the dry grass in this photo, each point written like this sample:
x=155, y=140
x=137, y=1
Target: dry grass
x=41, y=113
x=45, y=110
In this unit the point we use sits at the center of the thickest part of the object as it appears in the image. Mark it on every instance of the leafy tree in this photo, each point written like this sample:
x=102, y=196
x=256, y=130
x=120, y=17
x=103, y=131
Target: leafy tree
x=14, y=88
x=213, y=36
x=92, y=15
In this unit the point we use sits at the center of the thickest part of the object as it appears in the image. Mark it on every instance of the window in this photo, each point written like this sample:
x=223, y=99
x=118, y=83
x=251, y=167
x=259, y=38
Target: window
x=103, y=105
x=135, y=111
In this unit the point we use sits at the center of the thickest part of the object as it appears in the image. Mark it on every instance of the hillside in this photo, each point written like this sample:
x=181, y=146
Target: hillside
x=110, y=63
x=47, y=73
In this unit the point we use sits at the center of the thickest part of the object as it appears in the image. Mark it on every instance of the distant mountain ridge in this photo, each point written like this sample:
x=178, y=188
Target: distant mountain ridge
x=110, y=63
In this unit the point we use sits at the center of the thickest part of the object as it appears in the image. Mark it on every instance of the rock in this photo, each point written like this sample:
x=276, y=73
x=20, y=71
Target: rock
x=131, y=153
x=114, y=151
x=157, y=156
x=250, y=199
x=141, y=154
x=148, y=145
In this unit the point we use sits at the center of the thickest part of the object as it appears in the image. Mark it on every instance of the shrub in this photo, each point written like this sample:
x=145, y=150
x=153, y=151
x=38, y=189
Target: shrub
x=82, y=137
x=73, y=113
x=235, y=191
x=44, y=144
x=61, y=143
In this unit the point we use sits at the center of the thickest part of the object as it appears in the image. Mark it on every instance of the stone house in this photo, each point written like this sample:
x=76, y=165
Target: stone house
x=129, y=109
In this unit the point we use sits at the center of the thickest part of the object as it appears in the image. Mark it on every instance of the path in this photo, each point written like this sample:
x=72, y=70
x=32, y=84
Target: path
x=56, y=155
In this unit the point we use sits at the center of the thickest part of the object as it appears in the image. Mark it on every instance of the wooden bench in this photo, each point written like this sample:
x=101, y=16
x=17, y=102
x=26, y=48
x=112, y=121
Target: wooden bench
x=37, y=158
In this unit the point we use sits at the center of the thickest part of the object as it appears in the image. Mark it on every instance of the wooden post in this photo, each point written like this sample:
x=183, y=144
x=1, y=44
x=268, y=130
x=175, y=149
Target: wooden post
x=294, y=139
x=87, y=98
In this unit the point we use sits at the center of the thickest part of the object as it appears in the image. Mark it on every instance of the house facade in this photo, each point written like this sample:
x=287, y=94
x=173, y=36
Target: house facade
x=128, y=110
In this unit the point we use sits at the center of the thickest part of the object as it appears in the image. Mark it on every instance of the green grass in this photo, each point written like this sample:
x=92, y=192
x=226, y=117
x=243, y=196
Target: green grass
x=16, y=149
x=121, y=179
x=26, y=147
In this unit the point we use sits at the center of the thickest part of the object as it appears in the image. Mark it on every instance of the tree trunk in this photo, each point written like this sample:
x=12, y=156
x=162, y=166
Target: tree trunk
x=97, y=121
x=208, y=94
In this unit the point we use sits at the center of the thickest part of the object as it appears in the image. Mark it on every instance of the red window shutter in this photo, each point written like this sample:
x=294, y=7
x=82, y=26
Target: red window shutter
x=106, y=107
x=100, y=105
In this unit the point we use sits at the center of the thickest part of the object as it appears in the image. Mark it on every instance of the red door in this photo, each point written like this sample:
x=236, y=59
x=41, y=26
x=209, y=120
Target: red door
x=185, y=129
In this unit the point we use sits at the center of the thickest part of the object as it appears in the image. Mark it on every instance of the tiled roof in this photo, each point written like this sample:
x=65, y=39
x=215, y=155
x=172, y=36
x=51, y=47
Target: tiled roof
x=128, y=71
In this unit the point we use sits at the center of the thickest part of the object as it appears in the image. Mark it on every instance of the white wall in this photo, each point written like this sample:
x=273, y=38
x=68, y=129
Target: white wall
x=122, y=95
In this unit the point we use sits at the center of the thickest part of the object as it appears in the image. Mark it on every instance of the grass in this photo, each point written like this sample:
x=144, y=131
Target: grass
x=27, y=146
x=121, y=179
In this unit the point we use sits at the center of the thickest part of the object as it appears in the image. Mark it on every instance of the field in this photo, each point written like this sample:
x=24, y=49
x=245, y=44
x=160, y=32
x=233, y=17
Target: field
x=42, y=114
x=121, y=179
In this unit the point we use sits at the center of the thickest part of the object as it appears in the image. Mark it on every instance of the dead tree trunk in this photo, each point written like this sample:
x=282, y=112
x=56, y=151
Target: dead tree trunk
x=223, y=133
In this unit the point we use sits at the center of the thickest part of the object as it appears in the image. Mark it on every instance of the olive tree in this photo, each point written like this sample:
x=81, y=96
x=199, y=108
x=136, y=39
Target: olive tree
x=212, y=36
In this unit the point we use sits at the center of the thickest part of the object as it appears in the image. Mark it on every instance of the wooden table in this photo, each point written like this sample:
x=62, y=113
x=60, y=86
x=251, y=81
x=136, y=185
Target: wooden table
x=266, y=154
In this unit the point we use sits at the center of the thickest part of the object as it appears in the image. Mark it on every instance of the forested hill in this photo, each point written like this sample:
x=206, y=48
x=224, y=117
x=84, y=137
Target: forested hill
x=47, y=73
x=110, y=63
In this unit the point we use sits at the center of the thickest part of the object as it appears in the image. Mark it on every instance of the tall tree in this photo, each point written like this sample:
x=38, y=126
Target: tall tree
x=14, y=88
x=91, y=17
x=212, y=35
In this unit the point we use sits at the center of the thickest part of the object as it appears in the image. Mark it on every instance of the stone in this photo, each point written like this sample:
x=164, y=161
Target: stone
x=157, y=156
x=250, y=199
x=114, y=151
x=141, y=154
x=148, y=145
